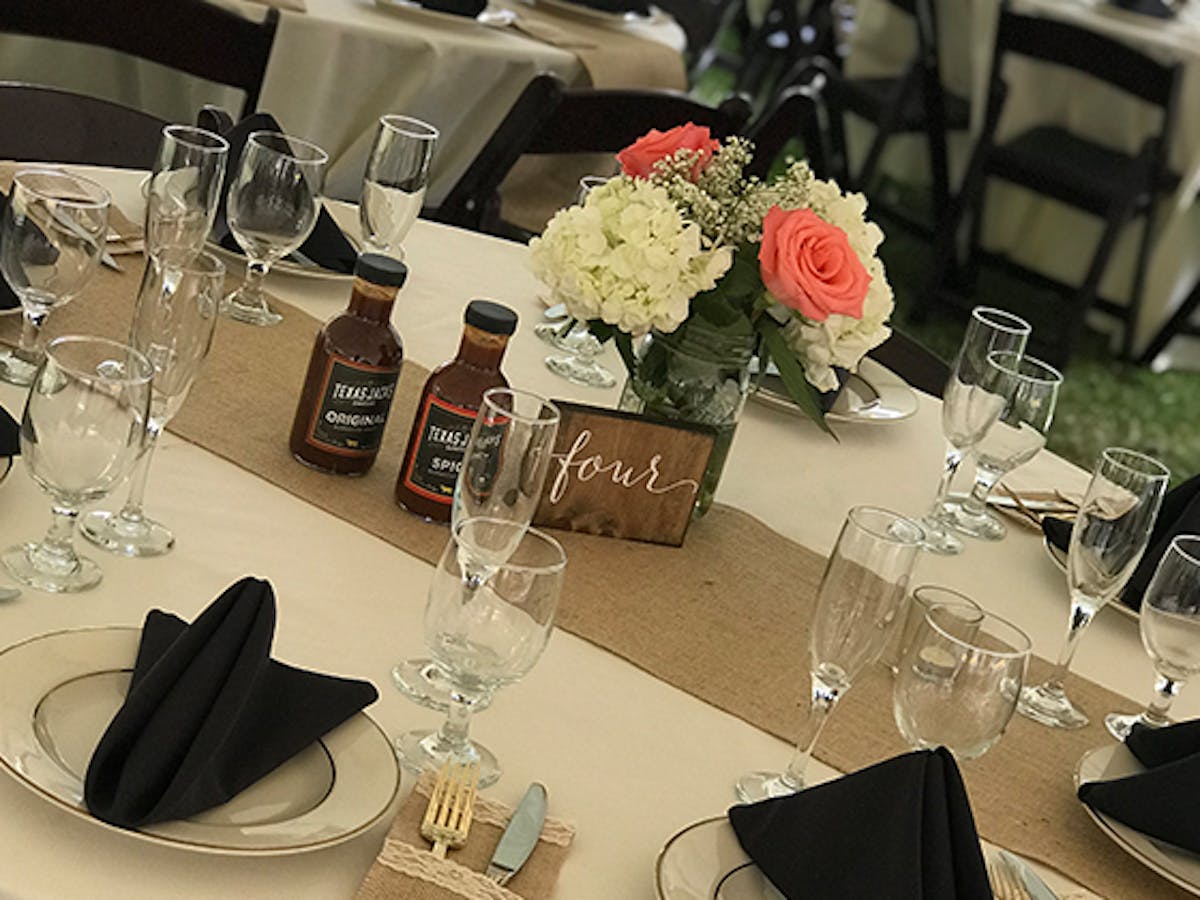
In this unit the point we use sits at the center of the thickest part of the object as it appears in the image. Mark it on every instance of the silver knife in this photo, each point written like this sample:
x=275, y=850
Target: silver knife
x=520, y=837
x=1034, y=886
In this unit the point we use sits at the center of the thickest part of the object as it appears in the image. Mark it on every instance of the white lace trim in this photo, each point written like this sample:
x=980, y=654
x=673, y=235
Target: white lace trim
x=442, y=873
x=554, y=831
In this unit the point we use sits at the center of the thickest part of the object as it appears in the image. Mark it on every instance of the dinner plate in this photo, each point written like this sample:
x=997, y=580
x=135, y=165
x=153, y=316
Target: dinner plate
x=237, y=264
x=600, y=15
x=872, y=396
x=1059, y=558
x=1172, y=863
x=704, y=861
x=62, y=689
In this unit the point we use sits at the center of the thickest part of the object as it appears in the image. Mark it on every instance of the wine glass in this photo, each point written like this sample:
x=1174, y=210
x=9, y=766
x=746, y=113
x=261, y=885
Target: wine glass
x=173, y=324
x=484, y=634
x=1110, y=534
x=1030, y=388
x=912, y=614
x=51, y=238
x=504, y=470
x=958, y=682
x=183, y=192
x=968, y=410
x=864, y=581
x=1170, y=625
x=273, y=205
x=83, y=429
x=394, y=183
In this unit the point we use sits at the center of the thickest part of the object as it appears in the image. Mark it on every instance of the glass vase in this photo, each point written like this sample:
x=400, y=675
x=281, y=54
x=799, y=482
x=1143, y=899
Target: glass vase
x=698, y=375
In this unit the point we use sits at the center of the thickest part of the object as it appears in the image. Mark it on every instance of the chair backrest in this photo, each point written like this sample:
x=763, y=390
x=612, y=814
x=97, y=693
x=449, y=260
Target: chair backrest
x=46, y=124
x=549, y=118
x=913, y=362
x=793, y=114
x=192, y=36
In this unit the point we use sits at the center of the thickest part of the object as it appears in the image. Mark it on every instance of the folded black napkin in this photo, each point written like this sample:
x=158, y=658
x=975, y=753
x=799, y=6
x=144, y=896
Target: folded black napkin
x=209, y=712
x=470, y=8
x=10, y=434
x=8, y=298
x=616, y=6
x=1155, y=8
x=1179, y=514
x=326, y=246
x=900, y=829
x=1160, y=802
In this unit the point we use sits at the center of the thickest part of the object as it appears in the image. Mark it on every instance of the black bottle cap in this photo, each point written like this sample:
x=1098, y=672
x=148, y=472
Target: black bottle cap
x=379, y=269
x=491, y=317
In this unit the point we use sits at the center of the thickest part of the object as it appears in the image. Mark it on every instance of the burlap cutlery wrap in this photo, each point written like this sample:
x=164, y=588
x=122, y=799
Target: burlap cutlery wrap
x=406, y=869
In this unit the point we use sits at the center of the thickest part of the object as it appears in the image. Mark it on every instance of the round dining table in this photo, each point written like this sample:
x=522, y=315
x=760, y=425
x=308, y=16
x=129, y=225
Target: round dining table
x=627, y=758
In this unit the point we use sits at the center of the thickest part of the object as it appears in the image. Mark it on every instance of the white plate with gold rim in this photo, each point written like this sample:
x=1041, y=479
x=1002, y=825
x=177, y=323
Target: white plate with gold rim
x=704, y=861
x=62, y=689
x=1173, y=863
x=872, y=396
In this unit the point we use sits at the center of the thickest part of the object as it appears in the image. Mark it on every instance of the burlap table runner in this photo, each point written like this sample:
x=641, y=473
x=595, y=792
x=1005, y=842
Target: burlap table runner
x=724, y=617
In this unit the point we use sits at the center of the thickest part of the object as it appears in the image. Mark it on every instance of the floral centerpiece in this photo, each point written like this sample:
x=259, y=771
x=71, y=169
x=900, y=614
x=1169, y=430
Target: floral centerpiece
x=720, y=274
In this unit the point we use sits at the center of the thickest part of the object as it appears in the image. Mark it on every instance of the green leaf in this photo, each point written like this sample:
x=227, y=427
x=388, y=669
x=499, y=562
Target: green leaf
x=803, y=394
x=625, y=348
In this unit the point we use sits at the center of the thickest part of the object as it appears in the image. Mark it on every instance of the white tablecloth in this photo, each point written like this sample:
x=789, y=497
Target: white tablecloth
x=628, y=758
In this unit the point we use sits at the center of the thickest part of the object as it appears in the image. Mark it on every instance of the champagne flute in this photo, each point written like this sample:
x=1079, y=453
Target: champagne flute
x=394, y=183
x=273, y=205
x=51, y=238
x=183, y=192
x=1030, y=388
x=1107, y=541
x=83, y=429
x=968, y=410
x=487, y=636
x=864, y=582
x=1170, y=625
x=173, y=324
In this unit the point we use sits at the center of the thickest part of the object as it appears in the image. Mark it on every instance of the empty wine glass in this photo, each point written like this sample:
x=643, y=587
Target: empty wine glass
x=83, y=429
x=273, y=205
x=958, y=682
x=1170, y=625
x=183, y=192
x=51, y=238
x=968, y=409
x=173, y=324
x=911, y=616
x=1030, y=388
x=394, y=183
x=484, y=634
x=1108, y=538
x=864, y=582
x=504, y=470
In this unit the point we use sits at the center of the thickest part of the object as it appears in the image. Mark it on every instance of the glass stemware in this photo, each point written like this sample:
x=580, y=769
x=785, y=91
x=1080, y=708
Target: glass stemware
x=184, y=191
x=958, y=681
x=912, y=615
x=1170, y=625
x=864, y=582
x=504, y=470
x=1107, y=541
x=484, y=632
x=51, y=238
x=173, y=324
x=968, y=411
x=1030, y=388
x=273, y=204
x=394, y=183
x=83, y=429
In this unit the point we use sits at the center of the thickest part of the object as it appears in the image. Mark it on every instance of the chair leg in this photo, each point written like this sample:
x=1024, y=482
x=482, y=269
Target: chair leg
x=1175, y=325
x=1139, y=283
x=1082, y=301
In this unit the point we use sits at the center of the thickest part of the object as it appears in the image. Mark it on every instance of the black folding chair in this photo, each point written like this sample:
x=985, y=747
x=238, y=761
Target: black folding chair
x=792, y=114
x=192, y=36
x=549, y=118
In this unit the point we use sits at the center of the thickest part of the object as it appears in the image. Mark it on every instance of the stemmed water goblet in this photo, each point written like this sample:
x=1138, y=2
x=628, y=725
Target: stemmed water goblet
x=1030, y=388
x=273, y=204
x=173, y=324
x=394, y=182
x=504, y=470
x=83, y=429
x=184, y=191
x=1170, y=626
x=864, y=581
x=51, y=238
x=1108, y=538
x=484, y=634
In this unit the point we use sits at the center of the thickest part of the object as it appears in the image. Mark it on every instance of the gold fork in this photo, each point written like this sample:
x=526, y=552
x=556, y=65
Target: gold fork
x=1004, y=883
x=448, y=816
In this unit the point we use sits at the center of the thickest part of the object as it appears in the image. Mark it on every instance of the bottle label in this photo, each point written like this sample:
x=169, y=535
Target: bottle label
x=443, y=436
x=355, y=400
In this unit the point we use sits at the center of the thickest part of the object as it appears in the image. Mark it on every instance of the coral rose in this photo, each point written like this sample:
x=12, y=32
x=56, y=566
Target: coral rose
x=638, y=159
x=808, y=265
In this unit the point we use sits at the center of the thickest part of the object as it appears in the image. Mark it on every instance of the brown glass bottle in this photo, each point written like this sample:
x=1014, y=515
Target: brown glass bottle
x=447, y=411
x=352, y=375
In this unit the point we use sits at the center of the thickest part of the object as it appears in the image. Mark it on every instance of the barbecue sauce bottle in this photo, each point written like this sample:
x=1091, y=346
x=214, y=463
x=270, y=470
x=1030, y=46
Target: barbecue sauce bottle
x=447, y=410
x=352, y=375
